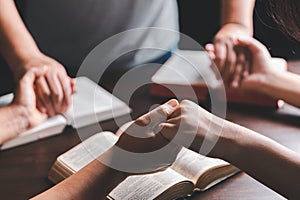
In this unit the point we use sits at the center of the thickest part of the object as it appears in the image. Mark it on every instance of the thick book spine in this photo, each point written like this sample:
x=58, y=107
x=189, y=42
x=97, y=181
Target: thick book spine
x=58, y=172
x=179, y=91
x=236, y=96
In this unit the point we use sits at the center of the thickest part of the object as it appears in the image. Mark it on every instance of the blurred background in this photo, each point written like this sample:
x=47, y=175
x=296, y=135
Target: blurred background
x=201, y=20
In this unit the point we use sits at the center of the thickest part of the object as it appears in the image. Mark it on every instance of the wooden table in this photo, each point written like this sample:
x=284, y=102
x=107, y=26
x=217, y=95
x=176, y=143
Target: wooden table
x=23, y=170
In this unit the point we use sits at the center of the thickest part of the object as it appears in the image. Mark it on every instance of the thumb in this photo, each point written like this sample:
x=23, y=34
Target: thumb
x=147, y=125
x=158, y=115
x=25, y=86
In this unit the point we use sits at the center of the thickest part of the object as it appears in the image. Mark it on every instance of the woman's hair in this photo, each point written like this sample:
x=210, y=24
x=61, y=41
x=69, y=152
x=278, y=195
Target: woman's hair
x=286, y=15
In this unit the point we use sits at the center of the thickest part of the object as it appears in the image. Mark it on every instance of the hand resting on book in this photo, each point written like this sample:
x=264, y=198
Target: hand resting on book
x=141, y=148
x=22, y=114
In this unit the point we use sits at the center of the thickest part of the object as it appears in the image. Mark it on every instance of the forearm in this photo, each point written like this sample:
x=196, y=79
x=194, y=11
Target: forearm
x=282, y=85
x=16, y=43
x=238, y=12
x=13, y=120
x=262, y=158
x=96, y=180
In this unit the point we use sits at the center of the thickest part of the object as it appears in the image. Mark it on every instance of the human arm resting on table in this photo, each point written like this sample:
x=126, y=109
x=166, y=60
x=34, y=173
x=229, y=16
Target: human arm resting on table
x=22, y=113
x=264, y=159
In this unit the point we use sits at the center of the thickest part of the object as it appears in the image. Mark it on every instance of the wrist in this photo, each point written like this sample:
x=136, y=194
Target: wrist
x=218, y=142
x=109, y=158
x=21, y=116
x=18, y=60
x=236, y=28
x=228, y=147
x=266, y=82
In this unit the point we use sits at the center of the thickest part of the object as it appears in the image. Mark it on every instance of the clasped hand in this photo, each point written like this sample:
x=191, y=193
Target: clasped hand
x=53, y=89
x=152, y=142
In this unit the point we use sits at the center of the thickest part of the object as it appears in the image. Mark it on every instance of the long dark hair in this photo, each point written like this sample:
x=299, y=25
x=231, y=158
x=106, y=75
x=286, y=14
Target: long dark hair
x=286, y=13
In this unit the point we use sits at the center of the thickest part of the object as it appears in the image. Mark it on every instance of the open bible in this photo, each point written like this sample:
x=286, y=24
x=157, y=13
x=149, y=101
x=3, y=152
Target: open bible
x=90, y=104
x=189, y=172
x=188, y=74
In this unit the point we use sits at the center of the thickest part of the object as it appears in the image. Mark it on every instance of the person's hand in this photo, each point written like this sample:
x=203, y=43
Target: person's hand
x=231, y=61
x=261, y=63
x=144, y=130
x=193, y=127
x=141, y=148
x=54, y=88
x=25, y=96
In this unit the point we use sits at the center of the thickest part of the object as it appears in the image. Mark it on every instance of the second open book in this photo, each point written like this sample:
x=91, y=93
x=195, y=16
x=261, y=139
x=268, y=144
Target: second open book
x=190, y=171
x=91, y=104
x=188, y=74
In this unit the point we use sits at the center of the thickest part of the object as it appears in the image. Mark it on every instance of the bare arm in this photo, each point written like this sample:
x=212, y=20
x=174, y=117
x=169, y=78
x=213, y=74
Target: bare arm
x=236, y=21
x=264, y=76
x=282, y=85
x=237, y=12
x=16, y=42
x=264, y=159
x=13, y=120
x=22, y=53
x=95, y=180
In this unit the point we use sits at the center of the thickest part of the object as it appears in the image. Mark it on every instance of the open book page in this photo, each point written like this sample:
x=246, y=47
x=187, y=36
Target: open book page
x=192, y=165
x=148, y=186
x=84, y=153
x=92, y=103
x=187, y=68
x=178, y=180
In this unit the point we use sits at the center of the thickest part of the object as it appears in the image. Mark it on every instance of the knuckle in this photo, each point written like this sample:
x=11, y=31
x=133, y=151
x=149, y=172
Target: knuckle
x=220, y=57
x=231, y=38
x=230, y=61
x=142, y=121
x=67, y=88
x=57, y=96
x=241, y=60
x=163, y=110
x=46, y=94
x=61, y=69
x=24, y=80
x=182, y=118
x=185, y=102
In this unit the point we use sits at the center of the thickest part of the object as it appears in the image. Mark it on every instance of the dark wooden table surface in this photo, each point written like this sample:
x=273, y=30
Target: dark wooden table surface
x=23, y=170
